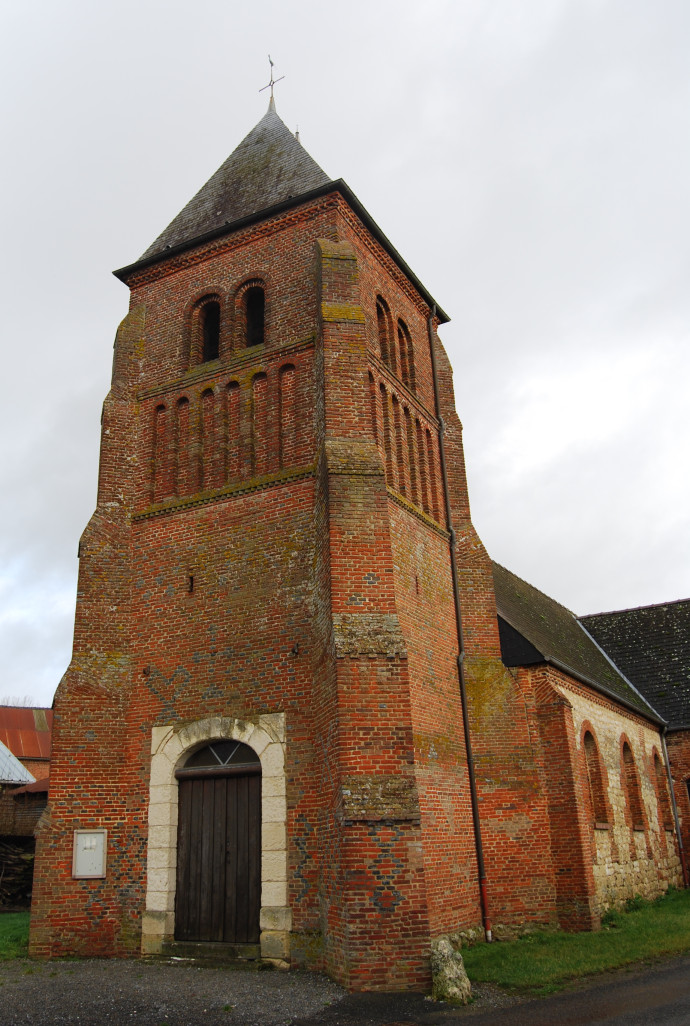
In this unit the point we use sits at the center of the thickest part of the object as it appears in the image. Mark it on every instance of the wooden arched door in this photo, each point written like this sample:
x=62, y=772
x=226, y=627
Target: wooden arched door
x=218, y=895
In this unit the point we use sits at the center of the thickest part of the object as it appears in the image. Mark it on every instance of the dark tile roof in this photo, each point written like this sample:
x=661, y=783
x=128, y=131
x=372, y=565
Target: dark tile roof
x=537, y=629
x=268, y=167
x=652, y=647
x=26, y=732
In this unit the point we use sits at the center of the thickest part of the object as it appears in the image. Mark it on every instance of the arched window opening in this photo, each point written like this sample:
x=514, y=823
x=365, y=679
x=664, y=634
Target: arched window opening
x=632, y=787
x=594, y=779
x=383, y=327
x=406, y=354
x=254, y=310
x=210, y=331
x=662, y=795
x=404, y=350
x=220, y=758
x=208, y=472
x=204, y=329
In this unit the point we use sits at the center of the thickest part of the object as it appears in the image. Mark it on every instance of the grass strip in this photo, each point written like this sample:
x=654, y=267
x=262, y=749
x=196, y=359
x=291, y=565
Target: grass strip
x=544, y=962
x=14, y=934
x=540, y=962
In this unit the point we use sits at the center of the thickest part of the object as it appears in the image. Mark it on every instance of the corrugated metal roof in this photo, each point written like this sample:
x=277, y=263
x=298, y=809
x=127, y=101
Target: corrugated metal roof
x=26, y=732
x=11, y=769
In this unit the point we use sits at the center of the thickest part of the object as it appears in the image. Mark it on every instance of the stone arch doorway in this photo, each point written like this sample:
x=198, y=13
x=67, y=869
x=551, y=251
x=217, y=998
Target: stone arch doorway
x=171, y=747
x=218, y=888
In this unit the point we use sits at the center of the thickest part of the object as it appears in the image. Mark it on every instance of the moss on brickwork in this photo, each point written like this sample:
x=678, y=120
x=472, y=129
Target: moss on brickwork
x=342, y=312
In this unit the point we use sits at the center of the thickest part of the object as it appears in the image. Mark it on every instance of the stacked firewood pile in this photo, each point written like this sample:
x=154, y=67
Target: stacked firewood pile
x=16, y=871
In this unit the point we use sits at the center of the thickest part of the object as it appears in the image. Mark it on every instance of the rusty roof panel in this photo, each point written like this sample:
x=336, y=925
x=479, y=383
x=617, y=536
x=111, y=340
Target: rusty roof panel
x=26, y=732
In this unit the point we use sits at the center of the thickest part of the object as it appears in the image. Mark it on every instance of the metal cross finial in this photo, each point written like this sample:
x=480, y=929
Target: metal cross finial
x=273, y=80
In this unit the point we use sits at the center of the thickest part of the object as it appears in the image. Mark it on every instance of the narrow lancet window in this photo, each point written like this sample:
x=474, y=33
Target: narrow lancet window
x=632, y=788
x=594, y=779
x=406, y=355
x=255, y=308
x=210, y=330
x=382, y=327
x=208, y=471
x=662, y=794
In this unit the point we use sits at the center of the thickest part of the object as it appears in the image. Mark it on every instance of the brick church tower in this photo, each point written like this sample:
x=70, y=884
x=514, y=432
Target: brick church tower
x=259, y=741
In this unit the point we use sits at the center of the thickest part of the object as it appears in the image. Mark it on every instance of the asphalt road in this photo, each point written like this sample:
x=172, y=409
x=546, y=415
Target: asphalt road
x=111, y=992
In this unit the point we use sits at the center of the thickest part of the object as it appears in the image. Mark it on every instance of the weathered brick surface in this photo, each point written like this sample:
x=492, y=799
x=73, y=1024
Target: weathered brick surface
x=19, y=816
x=678, y=744
x=239, y=563
x=270, y=546
x=627, y=858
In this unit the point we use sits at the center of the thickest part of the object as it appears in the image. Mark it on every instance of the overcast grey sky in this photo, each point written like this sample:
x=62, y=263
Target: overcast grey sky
x=529, y=158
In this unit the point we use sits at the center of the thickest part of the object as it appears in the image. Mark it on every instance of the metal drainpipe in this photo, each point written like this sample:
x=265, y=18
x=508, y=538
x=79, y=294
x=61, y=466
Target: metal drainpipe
x=681, y=851
x=461, y=647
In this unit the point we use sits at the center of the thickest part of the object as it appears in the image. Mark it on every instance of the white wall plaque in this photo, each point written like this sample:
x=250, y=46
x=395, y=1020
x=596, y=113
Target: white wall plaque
x=88, y=859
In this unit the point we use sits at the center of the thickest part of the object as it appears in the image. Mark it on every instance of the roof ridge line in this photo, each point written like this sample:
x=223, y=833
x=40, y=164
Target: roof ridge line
x=620, y=672
x=534, y=588
x=635, y=609
x=42, y=708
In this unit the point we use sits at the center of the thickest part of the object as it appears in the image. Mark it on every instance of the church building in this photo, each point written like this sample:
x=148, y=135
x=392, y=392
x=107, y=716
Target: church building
x=307, y=719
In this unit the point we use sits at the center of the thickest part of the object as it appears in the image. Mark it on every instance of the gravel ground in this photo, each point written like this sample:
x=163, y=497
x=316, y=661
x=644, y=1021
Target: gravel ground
x=112, y=992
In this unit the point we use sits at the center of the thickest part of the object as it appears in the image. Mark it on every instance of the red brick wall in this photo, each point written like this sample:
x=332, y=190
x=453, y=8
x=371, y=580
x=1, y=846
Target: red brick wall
x=678, y=744
x=270, y=536
x=503, y=723
x=563, y=775
x=628, y=849
x=230, y=532
x=19, y=816
x=39, y=768
x=380, y=932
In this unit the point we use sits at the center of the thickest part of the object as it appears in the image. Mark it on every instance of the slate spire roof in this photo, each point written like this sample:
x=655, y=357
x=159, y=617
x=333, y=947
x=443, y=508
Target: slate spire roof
x=270, y=166
x=26, y=731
